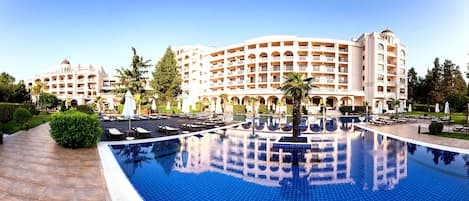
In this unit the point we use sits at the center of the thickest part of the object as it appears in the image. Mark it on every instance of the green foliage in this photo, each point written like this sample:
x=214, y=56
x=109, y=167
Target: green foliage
x=63, y=107
x=87, y=109
x=435, y=128
x=239, y=109
x=262, y=109
x=12, y=127
x=423, y=108
x=358, y=109
x=172, y=110
x=7, y=110
x=48, y=101
x=166, y=77
x=289, y=109
x=75, y=129
x=32, y=108
x=22, y=116
x=457, y=102
x=132, y=79
x=119, y=108
x=11, y=92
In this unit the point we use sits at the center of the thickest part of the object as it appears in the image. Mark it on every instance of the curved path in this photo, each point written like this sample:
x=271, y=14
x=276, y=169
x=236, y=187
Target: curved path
x=34, y=167
x=410, y=131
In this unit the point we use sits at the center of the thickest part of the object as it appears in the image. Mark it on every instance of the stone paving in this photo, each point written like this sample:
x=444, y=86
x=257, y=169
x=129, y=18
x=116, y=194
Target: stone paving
x=34, y=167
x=410, y=130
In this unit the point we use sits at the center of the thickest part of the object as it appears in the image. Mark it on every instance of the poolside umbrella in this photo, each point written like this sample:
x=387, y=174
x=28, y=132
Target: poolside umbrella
x=410, y=108
x=111, y=103
x=218, y=107
x=168, y=106
x=380, y=107
x=153, y=105
x=129, y=107
x=446, y=107
x=185, y=105
x=401, y=107
x=179, y=104
x=437, y=107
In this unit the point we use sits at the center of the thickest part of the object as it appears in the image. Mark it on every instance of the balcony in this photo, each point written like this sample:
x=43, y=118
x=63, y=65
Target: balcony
x=263, y=80
x=240, y=72
x=391, y=83
x=330, y=81
x=343, y=50
x=392, y=54
x=288, y=68
x=303, y=58
x=240, y=81
x=252, y=81
x=391, y=73
x=303, y=68
x=391, y=63
x=252, y=70
x=342, y=59
x=275, y=68
x=264, y=59
x=240, y=62
x=263, y=68
x=342, y=71
x=303, y=47
x=276, y=58
x=329, y=69
x=343, y=81
x=316, y=58
x=230, y=72
x=275, y=80
x=231, y=63
x=220, y=65
x=316, y=68
x=252, y=60
x=288, y=58
x=330, y=59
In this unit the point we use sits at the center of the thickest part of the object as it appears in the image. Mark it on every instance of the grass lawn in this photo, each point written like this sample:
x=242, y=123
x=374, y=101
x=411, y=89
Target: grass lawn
x=457, y=118
x=12, y=127
x=454, y=135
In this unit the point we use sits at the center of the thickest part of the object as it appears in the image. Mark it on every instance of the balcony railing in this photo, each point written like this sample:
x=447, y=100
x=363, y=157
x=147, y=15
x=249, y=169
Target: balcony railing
x=231, y=63
x=276, y=58
x=240, y=62
x=263, y=58
x=275, y=68
x=252, y=60
x=263, y=68
x=288, y=68
x=316, y=68
x=391, y=62
x=288, y=57
x=303, y=68
x=330, y=81
x=239, y=72
x=263, y=80
x=343, y=50
x=303, y=47
x=342, y=59
x=316, y=58
x=240, y=81
x=275, y=80
x=303, y=57
x=343, y=81
x=230, y=72
x=330, y=58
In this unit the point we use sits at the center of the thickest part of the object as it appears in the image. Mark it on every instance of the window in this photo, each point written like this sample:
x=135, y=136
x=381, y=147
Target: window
x=380, y=47
x=381, y=57
x=402, y=53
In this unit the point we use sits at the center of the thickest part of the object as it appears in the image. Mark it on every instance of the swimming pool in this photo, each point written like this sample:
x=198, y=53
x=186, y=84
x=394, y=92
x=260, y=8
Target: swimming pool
x=345, y=165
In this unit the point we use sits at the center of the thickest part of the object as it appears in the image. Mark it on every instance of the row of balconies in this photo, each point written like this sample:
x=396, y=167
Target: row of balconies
x=264, y=79
x=285, y=58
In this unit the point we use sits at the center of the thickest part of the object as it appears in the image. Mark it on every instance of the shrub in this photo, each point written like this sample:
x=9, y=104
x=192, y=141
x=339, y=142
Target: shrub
x=262, y=109
x=358, y=109
x=21, y=116
x=31, y=107
x=75, y=129
x=435, y=128
x=7, y=110
x=289, y=109
x=239, y=108
x=87, y=109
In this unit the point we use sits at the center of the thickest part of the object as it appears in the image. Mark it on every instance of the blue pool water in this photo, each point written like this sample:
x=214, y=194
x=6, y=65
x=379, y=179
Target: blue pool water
x=233, y=165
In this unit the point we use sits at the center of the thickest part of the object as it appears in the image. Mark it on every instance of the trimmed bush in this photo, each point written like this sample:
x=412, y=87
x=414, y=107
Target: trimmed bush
x=262, y=109
x=21, y=116
x=239, y=109
x=73, y=129
x=7, y=110
x=87, y=109
x=358, y=109
x=435, y=128
x=32, y=108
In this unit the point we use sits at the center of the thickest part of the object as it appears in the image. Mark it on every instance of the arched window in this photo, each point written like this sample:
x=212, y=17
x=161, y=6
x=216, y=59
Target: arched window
x=403, y=53
x=380, y=47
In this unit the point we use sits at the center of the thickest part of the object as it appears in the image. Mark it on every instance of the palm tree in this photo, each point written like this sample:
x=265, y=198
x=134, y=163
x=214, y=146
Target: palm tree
x=99, y=100
x=298, y=88
x=37, y=90
x=223, y=97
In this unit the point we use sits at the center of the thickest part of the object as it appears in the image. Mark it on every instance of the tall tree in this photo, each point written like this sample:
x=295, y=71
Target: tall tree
x=298, y=88
x=20, y=93
x=99, y=101
x=37, y=90
x=166, y=78
x=412, y=83
x=6, y=78
x=224, y=99
x=434, y=81
x=133, y=78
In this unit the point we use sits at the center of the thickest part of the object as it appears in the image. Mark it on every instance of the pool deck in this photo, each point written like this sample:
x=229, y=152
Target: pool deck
x=410, y=131
x=34, y=167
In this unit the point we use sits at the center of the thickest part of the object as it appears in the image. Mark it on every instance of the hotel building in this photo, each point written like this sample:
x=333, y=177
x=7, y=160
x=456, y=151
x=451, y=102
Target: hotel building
x=369, y=68
x=77, y=82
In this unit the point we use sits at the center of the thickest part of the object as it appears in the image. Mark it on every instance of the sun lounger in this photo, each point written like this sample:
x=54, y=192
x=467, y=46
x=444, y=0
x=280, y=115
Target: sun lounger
x=168, y=130
x=115, y=133
x=106, y=118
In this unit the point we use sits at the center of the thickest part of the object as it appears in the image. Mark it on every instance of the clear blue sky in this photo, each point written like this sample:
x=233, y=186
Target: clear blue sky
x=38, y=35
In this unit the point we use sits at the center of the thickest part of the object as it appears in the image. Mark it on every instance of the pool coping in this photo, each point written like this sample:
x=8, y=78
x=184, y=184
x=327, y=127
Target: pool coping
x=119, y=187
x=425, y=144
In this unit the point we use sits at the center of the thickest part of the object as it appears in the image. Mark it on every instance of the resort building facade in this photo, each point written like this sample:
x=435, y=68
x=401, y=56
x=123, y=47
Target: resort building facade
x=77, y=82
x=369, y=68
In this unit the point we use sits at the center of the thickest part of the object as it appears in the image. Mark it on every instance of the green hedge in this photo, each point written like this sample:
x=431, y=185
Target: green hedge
x=435, y=128
x=75, y=129
x=262, y=109
x=172, y=110
x=358, y=109
x=289, y=109
x=22, y=116
x=423, y=108
x=88, y=109
x=7, y=110
x=239, y=109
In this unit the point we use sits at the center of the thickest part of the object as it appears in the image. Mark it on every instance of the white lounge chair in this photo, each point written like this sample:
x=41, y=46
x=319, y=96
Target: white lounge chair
x=114, y=132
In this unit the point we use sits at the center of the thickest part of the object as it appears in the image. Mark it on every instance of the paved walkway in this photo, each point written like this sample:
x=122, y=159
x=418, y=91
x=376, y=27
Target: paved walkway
x=34, y=167
x=410, y=131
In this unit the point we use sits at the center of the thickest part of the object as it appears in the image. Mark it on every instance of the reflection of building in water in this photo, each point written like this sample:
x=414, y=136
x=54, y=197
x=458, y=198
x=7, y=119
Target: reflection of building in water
x=388, y=158
x=255, y=160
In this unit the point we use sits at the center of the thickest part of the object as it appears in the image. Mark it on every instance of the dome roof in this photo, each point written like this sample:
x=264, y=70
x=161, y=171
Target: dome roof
x=65, y=61
x=387, y=31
